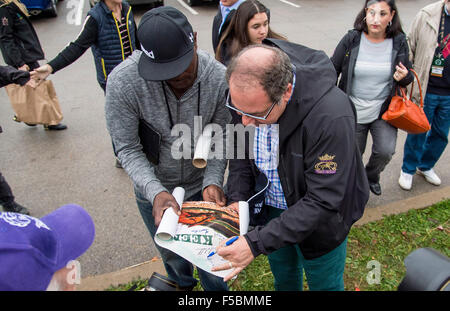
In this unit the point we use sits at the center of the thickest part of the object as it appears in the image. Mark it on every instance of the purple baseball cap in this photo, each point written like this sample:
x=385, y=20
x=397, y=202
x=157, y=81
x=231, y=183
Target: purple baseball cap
x=32, y=249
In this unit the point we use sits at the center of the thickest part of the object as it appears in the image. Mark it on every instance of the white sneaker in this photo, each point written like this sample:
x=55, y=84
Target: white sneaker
x=430, y=176
x=405, y=180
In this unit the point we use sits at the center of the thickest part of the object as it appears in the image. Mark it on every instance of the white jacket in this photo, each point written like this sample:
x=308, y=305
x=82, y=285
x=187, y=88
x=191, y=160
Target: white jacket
x=422, y=40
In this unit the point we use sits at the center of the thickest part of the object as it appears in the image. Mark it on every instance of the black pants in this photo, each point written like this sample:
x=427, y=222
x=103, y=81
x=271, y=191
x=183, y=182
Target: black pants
x=6, y=195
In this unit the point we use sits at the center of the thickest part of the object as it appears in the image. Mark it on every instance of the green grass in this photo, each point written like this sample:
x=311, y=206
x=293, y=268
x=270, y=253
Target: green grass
x=131, y=286
x=388, y=241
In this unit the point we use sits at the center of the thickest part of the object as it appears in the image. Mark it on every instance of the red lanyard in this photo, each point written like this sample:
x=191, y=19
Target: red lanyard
x=443, y=41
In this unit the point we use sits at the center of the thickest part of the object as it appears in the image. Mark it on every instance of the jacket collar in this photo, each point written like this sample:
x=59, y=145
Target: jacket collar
x=315, y=76
x=434, y=14
x=125, y=7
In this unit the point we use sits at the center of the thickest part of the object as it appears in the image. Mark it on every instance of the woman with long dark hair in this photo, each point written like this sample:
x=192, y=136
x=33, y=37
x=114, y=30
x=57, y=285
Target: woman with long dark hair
x=372, y=60
x=250, y=25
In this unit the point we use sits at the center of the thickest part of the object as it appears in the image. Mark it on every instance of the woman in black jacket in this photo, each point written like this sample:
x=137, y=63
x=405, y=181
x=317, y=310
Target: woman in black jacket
x=372, y=61
x=19, y=42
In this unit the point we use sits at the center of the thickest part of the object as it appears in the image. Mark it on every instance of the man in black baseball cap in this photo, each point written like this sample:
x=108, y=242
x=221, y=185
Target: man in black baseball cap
x=167, y=40
x=167, y=83
x=169, y=48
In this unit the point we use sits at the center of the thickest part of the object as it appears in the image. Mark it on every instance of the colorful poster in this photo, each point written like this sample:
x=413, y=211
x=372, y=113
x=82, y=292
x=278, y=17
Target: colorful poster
x=199, y=229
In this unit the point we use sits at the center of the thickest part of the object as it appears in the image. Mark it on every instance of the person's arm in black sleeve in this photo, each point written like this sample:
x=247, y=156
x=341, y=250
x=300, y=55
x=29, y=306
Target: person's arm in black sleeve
x=10, y=75
x=8, y=43
x=325, y=192
x=403, y=56
x=86, y=38
x=339, y=55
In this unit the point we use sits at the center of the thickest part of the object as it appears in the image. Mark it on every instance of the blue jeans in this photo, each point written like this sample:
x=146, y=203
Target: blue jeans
x=422, y=151
x=325, y=273
x=178, y=269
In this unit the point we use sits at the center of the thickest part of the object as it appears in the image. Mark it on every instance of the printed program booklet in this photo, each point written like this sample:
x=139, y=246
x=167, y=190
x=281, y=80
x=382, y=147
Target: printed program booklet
x=199, y=229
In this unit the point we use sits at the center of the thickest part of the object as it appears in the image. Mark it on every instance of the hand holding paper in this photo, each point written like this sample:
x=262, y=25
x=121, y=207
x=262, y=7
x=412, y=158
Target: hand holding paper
x=166, y=201
x=212, y=193
x=167, y=224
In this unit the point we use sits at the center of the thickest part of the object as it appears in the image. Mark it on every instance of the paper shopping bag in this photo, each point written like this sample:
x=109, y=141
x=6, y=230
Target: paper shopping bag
x=35, y=106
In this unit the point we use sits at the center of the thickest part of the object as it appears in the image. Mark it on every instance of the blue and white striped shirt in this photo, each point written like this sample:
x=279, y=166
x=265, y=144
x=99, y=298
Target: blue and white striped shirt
x=266, y=147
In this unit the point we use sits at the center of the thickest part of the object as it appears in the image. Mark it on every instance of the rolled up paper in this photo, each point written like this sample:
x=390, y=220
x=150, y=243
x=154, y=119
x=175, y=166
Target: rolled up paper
x=244, y=217
x=169, y=221
x=203, y=147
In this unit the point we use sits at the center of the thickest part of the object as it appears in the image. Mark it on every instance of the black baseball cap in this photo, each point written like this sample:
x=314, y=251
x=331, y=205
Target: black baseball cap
x=167, y=43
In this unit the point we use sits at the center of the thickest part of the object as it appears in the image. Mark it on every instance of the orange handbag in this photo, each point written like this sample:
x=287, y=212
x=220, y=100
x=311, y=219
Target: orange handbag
x=406, y=115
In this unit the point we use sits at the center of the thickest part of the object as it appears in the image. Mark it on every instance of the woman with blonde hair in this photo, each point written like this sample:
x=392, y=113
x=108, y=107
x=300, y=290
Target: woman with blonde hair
x=250, y=25
x=19, y=42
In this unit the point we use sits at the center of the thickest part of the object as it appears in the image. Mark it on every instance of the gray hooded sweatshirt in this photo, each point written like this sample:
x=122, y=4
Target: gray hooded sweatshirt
x=129, y=98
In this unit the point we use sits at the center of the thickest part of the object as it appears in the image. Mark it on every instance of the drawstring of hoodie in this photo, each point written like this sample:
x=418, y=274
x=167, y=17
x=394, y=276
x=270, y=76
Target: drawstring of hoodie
x=167, y=103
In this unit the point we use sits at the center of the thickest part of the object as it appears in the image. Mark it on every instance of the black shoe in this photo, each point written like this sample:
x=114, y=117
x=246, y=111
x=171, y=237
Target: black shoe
x=118, y=164
x=57, y=127
x=15, y=208
x=375, y=188
x=30, y=124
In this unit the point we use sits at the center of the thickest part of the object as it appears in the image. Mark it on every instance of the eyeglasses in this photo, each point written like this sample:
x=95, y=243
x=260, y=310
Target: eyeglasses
x=229, y=105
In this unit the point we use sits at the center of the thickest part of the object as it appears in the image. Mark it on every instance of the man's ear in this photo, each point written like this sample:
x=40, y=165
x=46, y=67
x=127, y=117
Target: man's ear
x=288, y=93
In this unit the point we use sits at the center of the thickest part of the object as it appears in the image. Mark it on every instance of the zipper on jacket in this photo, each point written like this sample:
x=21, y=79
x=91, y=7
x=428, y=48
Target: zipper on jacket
x=104, y=68
x=120, y=37
x=284, y=170
x=128, y=29
x=182, y=160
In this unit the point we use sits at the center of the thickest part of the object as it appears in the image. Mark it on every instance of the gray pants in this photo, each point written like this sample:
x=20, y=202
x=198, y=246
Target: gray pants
x=384, y=138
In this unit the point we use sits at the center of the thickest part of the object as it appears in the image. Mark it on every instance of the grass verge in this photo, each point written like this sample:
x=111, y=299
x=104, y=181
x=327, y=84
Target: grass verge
x=376, y=249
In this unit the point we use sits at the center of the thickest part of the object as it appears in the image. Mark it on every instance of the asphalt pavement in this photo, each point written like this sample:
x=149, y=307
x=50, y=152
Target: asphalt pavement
x=48, y=169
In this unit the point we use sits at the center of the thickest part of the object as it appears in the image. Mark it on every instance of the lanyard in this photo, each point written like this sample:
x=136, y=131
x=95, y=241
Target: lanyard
x=443, y=41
